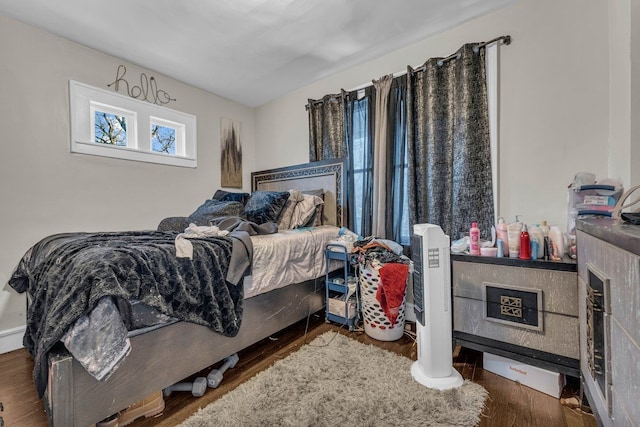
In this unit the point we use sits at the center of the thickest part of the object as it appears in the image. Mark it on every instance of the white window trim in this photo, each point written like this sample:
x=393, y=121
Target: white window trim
x=492, y=59
x=140, y=115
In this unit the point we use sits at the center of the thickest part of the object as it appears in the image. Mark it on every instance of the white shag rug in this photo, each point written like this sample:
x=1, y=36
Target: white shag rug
x=337, y=381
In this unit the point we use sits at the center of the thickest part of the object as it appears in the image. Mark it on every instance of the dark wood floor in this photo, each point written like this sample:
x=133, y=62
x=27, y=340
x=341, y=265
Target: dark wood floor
x=509, y=403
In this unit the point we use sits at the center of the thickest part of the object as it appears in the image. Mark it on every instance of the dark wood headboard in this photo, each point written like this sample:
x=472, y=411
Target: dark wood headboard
x=325, y=175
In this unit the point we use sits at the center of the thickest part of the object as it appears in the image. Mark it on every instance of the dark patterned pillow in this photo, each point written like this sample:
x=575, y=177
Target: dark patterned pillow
x=174, y=223
x=227, y=196
x=265, y=206
x=212, y=209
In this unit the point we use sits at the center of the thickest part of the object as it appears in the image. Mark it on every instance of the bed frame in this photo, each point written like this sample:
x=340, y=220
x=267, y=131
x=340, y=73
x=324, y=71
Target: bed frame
x=169, y=354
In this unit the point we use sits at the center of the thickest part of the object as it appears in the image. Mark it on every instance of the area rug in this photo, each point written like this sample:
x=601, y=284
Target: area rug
x=337, y=381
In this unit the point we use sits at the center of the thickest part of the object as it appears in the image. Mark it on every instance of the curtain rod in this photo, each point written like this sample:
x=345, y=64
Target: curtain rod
x=506, y=40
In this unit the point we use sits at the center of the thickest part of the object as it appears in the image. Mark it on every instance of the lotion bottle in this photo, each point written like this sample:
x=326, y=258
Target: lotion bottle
x=474, y=239
x=503, y=235
x=514, y=230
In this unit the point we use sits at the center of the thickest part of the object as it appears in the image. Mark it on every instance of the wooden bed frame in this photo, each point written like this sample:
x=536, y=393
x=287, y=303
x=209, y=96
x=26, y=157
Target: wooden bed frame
x=169, y=354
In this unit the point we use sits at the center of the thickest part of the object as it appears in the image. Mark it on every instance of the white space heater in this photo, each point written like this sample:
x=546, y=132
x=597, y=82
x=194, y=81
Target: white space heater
x=432, y=305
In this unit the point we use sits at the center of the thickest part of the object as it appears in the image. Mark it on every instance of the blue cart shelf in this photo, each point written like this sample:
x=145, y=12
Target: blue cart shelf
x=340, y=307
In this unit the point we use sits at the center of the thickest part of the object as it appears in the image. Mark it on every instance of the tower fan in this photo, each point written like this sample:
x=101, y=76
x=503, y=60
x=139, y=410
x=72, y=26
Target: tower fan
x=432, y=305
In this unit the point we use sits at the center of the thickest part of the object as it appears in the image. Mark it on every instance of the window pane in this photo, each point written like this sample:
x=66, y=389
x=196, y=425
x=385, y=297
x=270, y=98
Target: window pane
x=361, y=166
x=110, y=129
x=163, y=139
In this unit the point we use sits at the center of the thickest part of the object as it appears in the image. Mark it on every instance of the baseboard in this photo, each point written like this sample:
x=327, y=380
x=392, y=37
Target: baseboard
x=11, y=339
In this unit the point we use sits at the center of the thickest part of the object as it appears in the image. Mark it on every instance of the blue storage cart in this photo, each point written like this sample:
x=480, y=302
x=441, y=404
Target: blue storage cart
x=341, y=308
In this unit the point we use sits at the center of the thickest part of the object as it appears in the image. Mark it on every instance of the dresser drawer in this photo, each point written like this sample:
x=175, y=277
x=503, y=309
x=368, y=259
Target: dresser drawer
x=535, y=308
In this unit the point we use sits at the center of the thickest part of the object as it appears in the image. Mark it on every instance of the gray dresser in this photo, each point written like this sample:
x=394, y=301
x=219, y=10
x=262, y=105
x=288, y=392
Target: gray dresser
x=520, y=309
x=609, y=296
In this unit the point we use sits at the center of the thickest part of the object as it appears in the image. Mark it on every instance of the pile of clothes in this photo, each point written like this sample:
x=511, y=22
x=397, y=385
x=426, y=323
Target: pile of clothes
x=393, y=272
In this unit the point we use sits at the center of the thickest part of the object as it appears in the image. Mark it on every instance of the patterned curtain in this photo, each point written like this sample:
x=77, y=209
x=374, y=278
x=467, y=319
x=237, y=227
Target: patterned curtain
x=448, y=143
x=326, y=128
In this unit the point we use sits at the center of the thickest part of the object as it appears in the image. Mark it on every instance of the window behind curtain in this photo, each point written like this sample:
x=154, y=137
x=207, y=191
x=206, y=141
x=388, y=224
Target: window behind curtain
x=361, y=126
x=362, y=165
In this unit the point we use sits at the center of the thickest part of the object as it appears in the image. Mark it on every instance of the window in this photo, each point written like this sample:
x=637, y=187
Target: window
x=108, y=124
x=110, y=128
x=362, y=166
x=398, y=202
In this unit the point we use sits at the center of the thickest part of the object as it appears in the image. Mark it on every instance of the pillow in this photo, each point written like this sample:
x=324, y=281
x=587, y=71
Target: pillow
x=174, y=223
x=227, y=196
x=212, y=209
x=317, y=218
x=319, y=193
x=284, y=219
x=265, y=206
x=305, y=210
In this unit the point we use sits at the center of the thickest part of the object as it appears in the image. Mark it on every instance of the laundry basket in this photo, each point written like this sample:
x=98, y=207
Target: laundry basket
x=376, y=323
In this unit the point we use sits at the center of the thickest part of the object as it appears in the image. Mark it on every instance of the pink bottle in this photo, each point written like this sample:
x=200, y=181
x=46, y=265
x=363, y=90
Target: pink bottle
x=474, y=239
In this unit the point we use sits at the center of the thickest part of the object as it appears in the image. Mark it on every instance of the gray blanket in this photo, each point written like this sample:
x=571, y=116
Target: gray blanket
x=66, y=275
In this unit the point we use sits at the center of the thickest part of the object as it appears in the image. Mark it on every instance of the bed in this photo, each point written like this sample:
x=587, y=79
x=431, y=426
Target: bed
x=168, y=354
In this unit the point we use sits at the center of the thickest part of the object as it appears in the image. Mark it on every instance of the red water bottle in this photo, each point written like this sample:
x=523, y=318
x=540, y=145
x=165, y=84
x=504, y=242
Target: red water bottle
x=525, y=243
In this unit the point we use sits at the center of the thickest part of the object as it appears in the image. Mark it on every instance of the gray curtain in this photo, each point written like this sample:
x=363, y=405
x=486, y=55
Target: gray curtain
x=397, y=223
x=380, y=150
x=448, y=144
x=326, y=128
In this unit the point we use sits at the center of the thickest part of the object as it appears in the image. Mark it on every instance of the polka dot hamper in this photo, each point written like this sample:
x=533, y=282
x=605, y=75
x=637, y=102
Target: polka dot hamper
x=376, y=323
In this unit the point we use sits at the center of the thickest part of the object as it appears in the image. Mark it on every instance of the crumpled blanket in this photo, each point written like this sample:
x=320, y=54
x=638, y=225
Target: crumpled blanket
x=236, y=223
x=240, y=229
x=67, y=274
x=98, y=340
x=390, y=293
x=184, y=248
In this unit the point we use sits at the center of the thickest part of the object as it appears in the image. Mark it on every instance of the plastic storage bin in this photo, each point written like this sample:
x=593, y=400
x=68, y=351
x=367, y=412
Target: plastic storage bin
x=376, y=323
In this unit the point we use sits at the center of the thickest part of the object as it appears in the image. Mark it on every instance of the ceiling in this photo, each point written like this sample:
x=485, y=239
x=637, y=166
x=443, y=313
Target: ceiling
x=250, y=51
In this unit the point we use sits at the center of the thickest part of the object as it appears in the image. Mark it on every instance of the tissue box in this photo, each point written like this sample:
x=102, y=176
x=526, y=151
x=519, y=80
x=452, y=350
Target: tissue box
x=542, y=380
x=337, y=306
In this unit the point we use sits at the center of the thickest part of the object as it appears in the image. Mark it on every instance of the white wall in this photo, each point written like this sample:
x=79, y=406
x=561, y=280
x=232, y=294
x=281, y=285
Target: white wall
x=44, y=189
x=620, y=95
x=634, y=49
x=554, y=100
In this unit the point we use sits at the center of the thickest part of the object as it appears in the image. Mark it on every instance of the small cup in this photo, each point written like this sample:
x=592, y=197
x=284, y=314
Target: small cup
x=489, y=252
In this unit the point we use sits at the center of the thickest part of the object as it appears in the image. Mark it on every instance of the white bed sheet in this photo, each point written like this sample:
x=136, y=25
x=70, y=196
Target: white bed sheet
x=290, y=256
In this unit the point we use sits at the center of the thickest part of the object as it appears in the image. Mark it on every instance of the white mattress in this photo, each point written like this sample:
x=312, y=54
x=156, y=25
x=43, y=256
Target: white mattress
x=290, y=256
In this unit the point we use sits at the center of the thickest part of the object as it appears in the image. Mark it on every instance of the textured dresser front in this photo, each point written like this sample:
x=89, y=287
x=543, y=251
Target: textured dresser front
x=517, y=308
x=610, y=329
